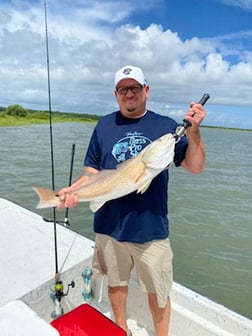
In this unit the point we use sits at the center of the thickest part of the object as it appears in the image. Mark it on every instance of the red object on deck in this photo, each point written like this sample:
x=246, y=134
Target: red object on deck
x=86, y=321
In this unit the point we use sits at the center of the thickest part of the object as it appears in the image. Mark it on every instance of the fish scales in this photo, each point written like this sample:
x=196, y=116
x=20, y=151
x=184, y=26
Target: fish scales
x=135, y=174
x=125, y=175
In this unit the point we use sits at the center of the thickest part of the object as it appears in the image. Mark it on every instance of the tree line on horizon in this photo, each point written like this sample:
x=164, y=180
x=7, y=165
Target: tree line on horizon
x=19, y=111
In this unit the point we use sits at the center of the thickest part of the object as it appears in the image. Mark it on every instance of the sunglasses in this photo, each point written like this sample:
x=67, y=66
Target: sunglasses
x=122, y=90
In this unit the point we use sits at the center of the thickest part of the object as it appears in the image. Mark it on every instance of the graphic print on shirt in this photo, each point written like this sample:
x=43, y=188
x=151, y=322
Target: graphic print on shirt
x=129, y=146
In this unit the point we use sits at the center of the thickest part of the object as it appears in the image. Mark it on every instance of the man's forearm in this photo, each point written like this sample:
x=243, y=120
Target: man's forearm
x=194, y=161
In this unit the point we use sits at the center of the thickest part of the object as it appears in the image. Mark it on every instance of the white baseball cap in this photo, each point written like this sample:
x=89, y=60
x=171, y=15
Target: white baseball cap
x=132, y=72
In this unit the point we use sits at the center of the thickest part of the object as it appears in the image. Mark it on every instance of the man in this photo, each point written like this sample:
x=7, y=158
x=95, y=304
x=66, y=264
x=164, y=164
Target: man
x=133, y=230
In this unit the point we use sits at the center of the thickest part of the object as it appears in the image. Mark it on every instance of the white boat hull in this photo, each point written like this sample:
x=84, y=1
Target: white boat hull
x=28, y=269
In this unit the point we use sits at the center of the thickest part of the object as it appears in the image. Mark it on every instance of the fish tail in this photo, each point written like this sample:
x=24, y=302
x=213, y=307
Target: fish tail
x=47, y=198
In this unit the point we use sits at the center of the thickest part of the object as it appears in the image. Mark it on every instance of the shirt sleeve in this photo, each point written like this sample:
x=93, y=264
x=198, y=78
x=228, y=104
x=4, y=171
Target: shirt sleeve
x=92, y=157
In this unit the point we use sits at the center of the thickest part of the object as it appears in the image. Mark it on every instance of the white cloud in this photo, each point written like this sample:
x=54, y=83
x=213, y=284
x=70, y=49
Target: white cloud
x=244, y=4
x=87, y=47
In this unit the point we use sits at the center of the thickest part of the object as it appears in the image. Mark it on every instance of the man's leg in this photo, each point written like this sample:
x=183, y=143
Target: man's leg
x=118, y=299
x=161, y=316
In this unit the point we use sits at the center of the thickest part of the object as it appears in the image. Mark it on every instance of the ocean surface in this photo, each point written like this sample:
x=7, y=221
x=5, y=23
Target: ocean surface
x=210, y=214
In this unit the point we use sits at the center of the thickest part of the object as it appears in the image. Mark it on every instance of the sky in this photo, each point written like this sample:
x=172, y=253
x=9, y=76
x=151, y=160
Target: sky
x=185, y=48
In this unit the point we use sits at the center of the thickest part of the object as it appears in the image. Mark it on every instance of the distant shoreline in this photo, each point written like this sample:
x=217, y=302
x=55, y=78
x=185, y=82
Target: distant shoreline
x=18, y=116
x=32, y=117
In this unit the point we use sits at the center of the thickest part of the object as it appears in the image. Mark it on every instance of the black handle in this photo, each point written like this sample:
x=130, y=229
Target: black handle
x=202, y=101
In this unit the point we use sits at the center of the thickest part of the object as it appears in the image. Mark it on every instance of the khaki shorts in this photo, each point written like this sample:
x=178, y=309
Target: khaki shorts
x=153, y=262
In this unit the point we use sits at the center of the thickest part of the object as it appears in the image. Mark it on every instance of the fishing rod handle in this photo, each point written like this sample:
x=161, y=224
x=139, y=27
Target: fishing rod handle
x=202, y=101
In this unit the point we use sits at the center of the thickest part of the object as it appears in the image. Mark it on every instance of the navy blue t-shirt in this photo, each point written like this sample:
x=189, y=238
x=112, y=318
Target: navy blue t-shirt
x=135, y=217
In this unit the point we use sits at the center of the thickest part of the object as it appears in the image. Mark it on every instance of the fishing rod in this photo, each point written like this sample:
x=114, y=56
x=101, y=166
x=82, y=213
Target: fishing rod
x=51, y=137
x=180, y=131
x=65, y=222
x=59, y=287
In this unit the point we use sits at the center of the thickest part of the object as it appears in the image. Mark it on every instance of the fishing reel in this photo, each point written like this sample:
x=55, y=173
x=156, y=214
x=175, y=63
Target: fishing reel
x=59, y=289
x=57, y=295
x=64, y=222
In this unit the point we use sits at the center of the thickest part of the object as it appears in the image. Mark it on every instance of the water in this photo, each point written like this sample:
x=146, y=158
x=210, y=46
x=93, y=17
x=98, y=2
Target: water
x=210, y=214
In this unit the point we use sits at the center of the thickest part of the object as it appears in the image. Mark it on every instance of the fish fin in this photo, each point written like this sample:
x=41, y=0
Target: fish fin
x=96, y=205
x=47, y=198
x=139, y=177
x=143, y=187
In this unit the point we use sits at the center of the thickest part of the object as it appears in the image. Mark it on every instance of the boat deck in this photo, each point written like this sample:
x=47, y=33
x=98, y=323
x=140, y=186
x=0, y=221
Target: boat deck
x=28, y=269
